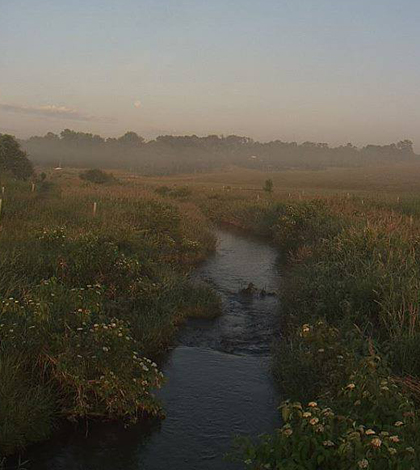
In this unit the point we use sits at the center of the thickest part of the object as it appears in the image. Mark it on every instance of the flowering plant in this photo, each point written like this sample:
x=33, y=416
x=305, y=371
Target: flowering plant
x=314, y=437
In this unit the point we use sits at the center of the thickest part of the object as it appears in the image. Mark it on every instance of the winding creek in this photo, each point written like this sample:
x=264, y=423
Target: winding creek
x=218, y=385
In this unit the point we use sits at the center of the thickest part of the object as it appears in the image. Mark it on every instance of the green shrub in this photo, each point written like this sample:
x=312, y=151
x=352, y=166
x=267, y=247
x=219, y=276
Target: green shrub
x=316, y=438
x=366, y=423
x=97, y=176
x=91, y=359
x=315, y=360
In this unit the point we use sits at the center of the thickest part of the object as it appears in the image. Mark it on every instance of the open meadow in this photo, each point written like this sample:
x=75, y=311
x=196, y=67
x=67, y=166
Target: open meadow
x=95, y=283
x=391, y=180
x=210, y=235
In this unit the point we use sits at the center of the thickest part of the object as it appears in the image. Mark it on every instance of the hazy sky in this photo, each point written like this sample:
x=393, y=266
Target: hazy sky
x=323, y=70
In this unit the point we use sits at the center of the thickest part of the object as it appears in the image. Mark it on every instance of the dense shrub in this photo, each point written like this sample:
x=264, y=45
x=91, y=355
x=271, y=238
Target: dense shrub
x=317, y=355
x=97, y=176
x=315, y=437
x=361, y=418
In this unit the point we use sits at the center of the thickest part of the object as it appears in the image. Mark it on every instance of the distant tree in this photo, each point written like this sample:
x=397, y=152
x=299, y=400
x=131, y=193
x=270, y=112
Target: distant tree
x=80, y=138
x=131, y=139
x=169, y=154
x=268, y=186
x=13, y=159
x=51, y=136
x=405, y=146
x=68, y=135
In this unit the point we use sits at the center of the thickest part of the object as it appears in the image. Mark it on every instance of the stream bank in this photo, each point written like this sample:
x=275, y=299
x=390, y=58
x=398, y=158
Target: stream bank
x=218, y=379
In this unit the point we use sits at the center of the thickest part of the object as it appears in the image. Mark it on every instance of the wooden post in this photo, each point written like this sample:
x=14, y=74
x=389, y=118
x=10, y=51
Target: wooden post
x=3, y=189
x=95, y=205
x=33, y=187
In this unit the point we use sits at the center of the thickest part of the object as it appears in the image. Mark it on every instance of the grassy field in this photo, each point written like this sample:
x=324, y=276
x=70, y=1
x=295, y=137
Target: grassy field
x=392, y=180
x=347, y=358
x=94, y=283
x=94, y=274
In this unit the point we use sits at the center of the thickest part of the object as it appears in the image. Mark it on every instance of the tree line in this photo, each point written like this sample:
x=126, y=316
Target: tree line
x=173, y=154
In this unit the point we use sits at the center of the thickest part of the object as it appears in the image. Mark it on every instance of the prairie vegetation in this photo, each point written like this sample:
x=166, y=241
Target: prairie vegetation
x=94, y=284
x=346, y=358
x=349, y=332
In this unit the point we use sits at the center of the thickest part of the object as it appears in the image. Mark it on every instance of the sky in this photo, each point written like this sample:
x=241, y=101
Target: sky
x=332, y=71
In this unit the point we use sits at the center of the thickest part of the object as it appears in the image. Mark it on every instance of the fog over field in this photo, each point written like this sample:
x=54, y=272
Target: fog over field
x=210, y=235
x=181, y=154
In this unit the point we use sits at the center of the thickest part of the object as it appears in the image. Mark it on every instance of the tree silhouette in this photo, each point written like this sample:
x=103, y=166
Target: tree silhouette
x=13, y=159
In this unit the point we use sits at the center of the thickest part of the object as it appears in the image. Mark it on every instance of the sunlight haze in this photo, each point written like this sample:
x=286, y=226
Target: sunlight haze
x=318, y=70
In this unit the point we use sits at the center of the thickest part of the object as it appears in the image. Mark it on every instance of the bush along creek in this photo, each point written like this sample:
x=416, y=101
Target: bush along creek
x=94, y=284
x=347, y=358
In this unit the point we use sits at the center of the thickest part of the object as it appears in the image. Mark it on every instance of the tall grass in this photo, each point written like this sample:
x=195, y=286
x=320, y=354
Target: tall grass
x=349, y=321
x=89, y=303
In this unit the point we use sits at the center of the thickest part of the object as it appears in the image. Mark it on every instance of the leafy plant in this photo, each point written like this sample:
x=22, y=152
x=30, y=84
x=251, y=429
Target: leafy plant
x=97, y=176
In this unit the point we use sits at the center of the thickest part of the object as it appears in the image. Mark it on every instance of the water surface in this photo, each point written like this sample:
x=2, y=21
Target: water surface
x=218, y=385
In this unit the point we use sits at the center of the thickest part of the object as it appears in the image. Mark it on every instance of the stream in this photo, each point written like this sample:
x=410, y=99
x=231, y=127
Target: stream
x=218, y=380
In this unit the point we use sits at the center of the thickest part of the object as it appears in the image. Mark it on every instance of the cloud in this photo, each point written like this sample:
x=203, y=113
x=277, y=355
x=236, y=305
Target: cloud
x=137, y=104
x=60, y=112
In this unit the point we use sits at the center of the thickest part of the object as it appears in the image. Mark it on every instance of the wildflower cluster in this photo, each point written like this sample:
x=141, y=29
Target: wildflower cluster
x=322, y=357
x=363, y=419
x=101, y=368
x=373, y=396
x=95, y=360
x=87, y=302
x=316, y=437
x=52, y=237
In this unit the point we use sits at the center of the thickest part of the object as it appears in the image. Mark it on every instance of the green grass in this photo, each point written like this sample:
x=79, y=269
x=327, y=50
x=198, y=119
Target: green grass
x=90, y=290
x=350, y=298
x=89, y=301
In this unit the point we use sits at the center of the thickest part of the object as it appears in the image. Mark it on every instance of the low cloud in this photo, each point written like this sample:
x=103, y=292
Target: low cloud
x=52, y=111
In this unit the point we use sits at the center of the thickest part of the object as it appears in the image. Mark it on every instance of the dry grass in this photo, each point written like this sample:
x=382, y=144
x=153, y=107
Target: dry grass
x=398, y=179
